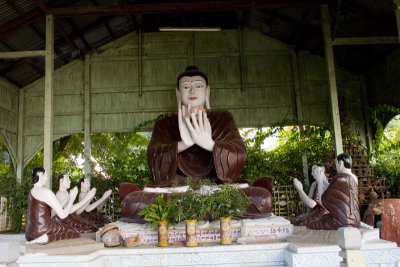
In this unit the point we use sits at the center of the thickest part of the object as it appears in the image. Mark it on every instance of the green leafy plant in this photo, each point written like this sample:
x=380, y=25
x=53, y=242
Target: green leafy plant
x=230, y=201
x=386, y=151
x=159, y=211
x=190, y=206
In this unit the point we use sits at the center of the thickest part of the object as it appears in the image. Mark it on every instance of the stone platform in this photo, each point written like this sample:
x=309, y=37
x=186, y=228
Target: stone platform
x=303, y=248
x=266, y=229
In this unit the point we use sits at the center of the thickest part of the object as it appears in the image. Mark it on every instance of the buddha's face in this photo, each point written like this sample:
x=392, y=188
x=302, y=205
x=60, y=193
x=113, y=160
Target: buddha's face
x=193, y=90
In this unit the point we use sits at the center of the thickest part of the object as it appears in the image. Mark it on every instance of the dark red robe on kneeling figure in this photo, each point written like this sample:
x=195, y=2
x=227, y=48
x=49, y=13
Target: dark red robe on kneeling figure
x=39, y=222
x=315, y=213
x=341, y=201
x=223, y=164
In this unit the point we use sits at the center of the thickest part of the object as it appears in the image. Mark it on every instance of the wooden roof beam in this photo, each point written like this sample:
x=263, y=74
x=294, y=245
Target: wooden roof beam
x=104, y=21
x=28, y=60
x=34, y=28
x=77, y=33
x=365, y=40
x=57, y=27
x=27, y=18
x=179, y=7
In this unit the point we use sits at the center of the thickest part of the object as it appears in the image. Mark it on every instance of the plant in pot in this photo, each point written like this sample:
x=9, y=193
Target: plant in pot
x=226, y=203
x=190, y=207
x=159, y=214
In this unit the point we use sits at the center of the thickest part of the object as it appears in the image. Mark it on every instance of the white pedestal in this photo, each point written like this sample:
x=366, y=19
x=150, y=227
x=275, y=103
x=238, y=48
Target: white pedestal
x=208, y=255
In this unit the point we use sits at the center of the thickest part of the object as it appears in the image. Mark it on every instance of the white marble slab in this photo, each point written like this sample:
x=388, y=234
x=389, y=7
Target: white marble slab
x=209, y=255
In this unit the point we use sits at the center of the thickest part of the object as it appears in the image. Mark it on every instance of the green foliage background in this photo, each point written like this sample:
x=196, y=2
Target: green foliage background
x=285, y=161
x=385, y=156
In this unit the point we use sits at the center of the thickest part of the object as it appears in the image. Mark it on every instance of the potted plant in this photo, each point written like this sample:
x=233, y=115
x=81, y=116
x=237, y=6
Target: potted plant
x=190, y=207
x=226, y=203
x=159, y=214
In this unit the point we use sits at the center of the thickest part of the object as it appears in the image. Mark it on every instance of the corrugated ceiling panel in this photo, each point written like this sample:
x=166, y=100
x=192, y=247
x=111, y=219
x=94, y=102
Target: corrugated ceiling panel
x=121, y=25
x=24, y=39
x=377, y=5
x=82, y=22
x=65, y=26
x=7, y=13
x=26, y=5
x=97, y=35
x=3, y=48
x=25, y=74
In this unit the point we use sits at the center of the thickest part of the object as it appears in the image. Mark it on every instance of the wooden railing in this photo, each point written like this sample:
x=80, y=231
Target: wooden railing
x=4, y=223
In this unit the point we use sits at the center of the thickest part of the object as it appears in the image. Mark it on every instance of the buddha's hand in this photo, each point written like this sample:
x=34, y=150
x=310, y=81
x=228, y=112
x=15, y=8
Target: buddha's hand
x=297, y=184
x=183, y=129
x=200, y=129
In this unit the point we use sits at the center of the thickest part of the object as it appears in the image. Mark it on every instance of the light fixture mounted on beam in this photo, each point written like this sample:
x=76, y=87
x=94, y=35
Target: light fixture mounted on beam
x=189, y=29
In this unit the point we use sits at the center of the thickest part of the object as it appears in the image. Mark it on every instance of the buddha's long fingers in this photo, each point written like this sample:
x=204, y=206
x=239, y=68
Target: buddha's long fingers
x=189, y=108
x=194, y=120
x=189, y=125
x=182, y=112
x=207, y=124
x=201, y=123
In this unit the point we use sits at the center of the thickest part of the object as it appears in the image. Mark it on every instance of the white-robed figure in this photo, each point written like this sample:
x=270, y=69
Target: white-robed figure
x=313, y=199
x=91, y=209
x=40, y=227
x=80, y=224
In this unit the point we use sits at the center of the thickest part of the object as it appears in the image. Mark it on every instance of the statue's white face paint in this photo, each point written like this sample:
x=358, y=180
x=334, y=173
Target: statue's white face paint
x=42, y=178
x=85, y=185
x=317, y=172
x=66, y=182
x=193, y=91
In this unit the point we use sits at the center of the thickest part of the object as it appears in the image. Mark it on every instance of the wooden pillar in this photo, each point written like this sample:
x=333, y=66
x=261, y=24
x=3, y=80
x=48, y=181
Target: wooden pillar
x=87, y=120
x=48, y=100
x=364, y=99
x=299, y=112
x=330, y=65
x=241, y=57
x=190, y=48
x=397, y=12
x=20, y=147
x=140, y=62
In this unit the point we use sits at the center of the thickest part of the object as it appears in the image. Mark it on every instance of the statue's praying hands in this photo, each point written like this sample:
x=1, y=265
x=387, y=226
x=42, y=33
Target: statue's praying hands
x=194, y=126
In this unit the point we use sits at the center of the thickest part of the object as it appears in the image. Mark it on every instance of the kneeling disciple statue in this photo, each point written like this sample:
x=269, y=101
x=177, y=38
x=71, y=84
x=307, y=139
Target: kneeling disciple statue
x=196, y=143
x=40, y=227
x=313, y=200
x=340, y=199
x=90, y=211
x=80, y=224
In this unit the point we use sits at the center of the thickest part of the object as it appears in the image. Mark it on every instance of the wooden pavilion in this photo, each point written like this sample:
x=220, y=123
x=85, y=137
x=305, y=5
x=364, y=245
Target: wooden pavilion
x=93, y=66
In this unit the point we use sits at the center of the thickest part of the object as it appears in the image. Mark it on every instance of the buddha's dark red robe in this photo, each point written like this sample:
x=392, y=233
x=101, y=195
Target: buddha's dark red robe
x=224, y=163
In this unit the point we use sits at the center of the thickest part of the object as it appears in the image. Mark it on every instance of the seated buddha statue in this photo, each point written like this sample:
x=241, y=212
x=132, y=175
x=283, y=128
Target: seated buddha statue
x=196, y=143
x=340, y=199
